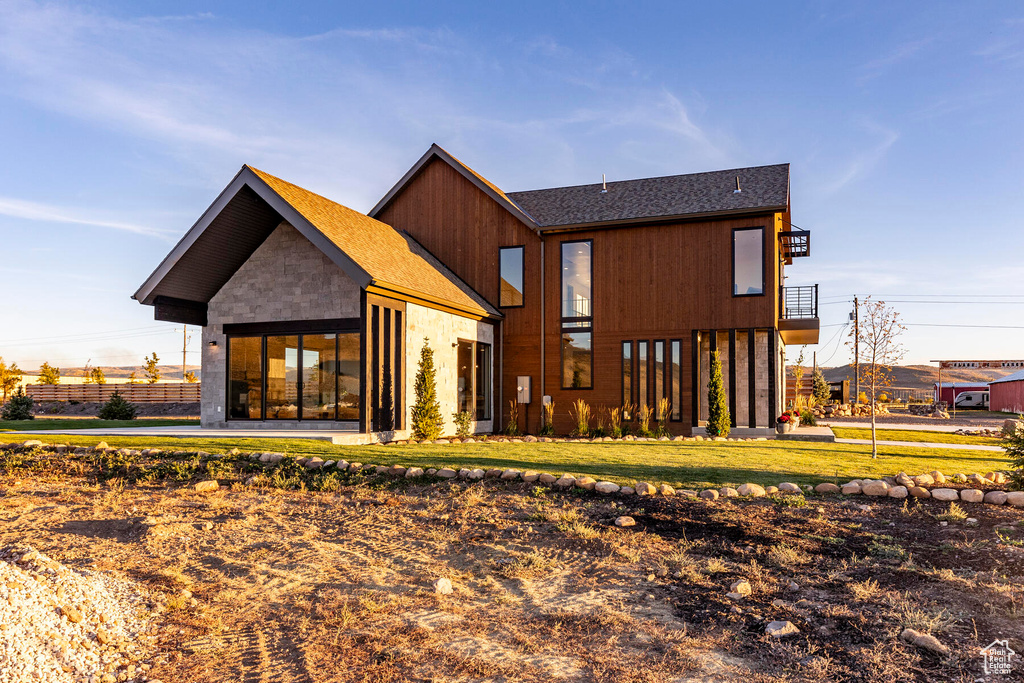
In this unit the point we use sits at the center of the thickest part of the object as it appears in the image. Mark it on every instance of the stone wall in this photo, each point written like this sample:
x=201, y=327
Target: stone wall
x=442, y=330
x=286, y=278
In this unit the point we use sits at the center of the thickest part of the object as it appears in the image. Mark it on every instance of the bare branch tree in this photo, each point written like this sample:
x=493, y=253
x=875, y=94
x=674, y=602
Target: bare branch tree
x=879, y=349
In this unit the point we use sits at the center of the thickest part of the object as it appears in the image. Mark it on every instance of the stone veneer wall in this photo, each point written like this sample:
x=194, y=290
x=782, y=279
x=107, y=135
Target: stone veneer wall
x=442, y=330
x=286, y=278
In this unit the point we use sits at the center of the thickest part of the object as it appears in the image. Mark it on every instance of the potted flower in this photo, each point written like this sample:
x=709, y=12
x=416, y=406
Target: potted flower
x=783, y=424
x=795, y=415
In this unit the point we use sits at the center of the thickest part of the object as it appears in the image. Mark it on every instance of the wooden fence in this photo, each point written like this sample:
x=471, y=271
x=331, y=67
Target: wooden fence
x=100, y=393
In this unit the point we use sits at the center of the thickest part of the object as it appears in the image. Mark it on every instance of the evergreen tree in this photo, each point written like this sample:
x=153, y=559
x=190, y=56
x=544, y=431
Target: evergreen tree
x=19, y=407
x=1014, y=445
x=426, y=412
x=820, y=386
x=49, y=374
x=151, y=368
x=718, y=404
x=117, y=408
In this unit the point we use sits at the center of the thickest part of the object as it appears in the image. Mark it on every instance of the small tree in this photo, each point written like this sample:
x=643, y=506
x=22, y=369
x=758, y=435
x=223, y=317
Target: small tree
x=132, y=378
x=190, y=378
x=463, y=423
x=19, y=407
x=151, y=368
x=820, y=388
x=10, y=378
x=798, y=375
x=117, y=408
x=48, y=374
x=880, y=349
x=427, y=422
x=97, y=376
x=718, y=405
x=1014, y=445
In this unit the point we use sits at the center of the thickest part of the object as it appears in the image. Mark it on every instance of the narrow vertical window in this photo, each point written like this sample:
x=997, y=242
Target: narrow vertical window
x=659, y=376
x=676, y=381
x=627, y=378
x=577, y=315
x=747, y=261
x=348, y=376
x=483, y=381
x=641, y=376
x=465, y=376
x=511, y=265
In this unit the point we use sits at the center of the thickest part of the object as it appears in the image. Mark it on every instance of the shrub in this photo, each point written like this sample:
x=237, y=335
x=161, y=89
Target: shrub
x=462, y=423
x=581, y=414
x=819, y=386
x=615, y=422
x=548, y=428
x=1014, y=445
x=513, y=419
x=117, y=408
x=663, y=409
x=718, y=405
x=19, y=407
x=862, y=397
x=426, y=412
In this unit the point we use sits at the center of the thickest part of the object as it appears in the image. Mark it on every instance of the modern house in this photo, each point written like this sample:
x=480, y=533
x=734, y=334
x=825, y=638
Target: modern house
x=314, y=314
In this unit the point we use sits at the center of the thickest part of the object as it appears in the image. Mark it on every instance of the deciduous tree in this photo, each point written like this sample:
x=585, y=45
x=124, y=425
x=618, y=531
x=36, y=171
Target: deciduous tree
x=10, y=378
x=48, y=374
x=880, y=349
x=151, y=368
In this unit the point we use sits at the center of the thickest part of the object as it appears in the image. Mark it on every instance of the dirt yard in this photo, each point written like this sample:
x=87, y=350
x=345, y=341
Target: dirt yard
x=338, y=585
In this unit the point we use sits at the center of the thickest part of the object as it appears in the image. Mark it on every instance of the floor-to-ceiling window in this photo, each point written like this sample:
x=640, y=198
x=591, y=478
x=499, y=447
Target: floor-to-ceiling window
x=319, y=376
x=245, y=378
x=577, y=315
x=282, y=377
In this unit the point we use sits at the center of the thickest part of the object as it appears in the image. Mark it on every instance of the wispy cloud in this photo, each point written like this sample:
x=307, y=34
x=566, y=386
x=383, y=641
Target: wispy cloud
x=18, y=208
x=901, y=53
x=863, y=161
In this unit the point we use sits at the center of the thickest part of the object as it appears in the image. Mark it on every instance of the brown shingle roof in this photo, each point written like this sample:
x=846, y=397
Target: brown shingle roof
x=387, y=256
x=763, y=188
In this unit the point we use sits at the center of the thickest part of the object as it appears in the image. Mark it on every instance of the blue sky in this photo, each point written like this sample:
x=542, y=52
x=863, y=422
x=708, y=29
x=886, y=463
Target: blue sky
x=120, y=122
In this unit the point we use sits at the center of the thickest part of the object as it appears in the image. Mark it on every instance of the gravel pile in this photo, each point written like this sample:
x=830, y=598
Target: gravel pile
x=59, y=625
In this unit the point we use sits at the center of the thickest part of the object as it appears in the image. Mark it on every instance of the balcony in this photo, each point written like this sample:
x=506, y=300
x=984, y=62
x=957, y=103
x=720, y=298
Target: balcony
x=798, y=315
x=794, y=244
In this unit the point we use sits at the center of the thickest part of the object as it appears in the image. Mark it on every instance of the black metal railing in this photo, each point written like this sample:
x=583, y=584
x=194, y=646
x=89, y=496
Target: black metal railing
x=795, y=243
x=799, y=302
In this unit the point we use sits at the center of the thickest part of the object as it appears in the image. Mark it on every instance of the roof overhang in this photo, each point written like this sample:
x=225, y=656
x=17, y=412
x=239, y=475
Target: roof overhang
x=235, y=244
x=437, y=152
x=655, y=220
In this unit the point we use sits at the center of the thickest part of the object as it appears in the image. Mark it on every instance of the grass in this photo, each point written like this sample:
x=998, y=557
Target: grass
x=916, y=436
x=54, y=423
x=683, y=465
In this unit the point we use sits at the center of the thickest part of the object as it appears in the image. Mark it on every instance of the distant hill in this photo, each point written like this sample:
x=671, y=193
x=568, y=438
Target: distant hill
x=914, y=376
x=123, y=371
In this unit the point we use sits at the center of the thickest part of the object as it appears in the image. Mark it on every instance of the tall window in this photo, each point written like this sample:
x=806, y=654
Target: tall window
x=641, y=374
x=294, y=377
x=474, y=379
x=659, y=376
x=627, y=377
x=676, y=381
x=511, y=293
x=577, y=315
x=747, y=261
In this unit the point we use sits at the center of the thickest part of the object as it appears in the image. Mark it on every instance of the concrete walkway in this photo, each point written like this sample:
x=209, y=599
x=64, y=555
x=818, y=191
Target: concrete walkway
x=924, y=444
x=915, y=427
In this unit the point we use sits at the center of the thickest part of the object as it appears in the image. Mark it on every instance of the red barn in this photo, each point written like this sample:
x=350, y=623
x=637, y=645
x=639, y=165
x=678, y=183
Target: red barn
x=1007, y=393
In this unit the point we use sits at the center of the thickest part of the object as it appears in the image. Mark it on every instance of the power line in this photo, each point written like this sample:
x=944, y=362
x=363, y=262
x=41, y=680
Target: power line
x=995, y=327
x=91, y=336
x=836, y=335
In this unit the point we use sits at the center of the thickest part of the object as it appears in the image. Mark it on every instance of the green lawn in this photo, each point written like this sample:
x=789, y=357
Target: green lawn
x=688, y=464
x=92, y=423
x=915, y=435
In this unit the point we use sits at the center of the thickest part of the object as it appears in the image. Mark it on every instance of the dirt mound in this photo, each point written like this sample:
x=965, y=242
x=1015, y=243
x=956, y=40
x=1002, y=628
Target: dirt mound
x=76, y=409
x=61, y=625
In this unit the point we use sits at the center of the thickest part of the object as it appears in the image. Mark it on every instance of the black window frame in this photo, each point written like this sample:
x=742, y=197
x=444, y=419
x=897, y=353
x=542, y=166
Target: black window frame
x=574, y=324
x=644, y=386
x=764, y=273
x=676, y=399
x=522, y=250
x=299, y=329
x=627, y=400
x=474, y=354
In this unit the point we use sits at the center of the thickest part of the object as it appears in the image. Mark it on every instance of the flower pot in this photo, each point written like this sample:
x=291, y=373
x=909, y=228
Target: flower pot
x=783, y=427
x=795, y=422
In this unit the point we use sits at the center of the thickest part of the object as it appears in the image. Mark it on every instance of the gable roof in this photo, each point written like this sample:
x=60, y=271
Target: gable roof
x=1015, y=377
x=764, y=189
x=375, y=255
x=489, y=188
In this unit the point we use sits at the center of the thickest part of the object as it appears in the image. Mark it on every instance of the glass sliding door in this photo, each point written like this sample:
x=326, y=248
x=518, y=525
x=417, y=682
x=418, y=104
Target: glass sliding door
x=245, y=377
x=319, y=376
x=483, y=381
x=348, y=376
x=283, y=377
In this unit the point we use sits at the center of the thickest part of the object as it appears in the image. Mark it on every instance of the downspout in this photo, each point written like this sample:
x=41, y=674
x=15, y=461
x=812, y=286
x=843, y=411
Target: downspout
x=542, y=316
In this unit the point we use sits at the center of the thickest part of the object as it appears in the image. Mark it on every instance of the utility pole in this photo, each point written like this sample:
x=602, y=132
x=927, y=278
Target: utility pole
x=184, y=347
x=856, y=350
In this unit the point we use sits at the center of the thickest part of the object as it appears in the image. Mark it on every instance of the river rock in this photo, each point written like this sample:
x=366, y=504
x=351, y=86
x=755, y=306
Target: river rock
x=875, y=488
x=781, y=629
x=995, y=497
x=606, y=487
x=753, y=490
x=826, y=487
x=945, y=495
x=709, y=494
x=972, y=495
x=898, y=492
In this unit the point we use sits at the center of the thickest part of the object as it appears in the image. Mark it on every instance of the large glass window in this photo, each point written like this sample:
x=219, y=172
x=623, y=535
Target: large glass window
x=283, y=377
x=577, y=315
x=659, y=376
x=483, y=381
x=676, y=381
x=245, y=377
x=511, y=276
x=465, y=375
x=627, y=377
x=319, y=376
x=641, y=375
x=306, y=376
x=747, y=261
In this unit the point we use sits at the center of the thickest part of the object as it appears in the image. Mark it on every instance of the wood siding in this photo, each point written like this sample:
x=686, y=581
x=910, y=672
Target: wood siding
x=653, y=282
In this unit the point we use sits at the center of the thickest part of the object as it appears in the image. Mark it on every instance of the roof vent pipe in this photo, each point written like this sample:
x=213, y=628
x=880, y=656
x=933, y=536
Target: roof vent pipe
x=604, y=184
x=737, y=190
